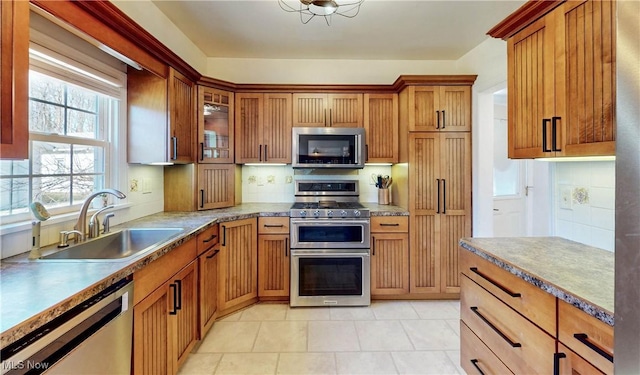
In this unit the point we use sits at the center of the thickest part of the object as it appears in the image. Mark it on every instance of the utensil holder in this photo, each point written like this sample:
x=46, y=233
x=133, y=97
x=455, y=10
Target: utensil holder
x=383, y=196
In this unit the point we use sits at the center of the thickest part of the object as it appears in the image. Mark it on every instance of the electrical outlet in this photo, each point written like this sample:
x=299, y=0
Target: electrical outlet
x=146, y=186
x=133, y=185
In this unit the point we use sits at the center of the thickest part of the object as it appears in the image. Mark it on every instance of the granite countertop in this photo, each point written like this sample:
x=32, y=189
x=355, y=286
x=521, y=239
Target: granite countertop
x=576, y=273
x=39, y=291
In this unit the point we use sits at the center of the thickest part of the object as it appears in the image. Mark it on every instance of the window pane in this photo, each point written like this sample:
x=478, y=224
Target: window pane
x=52, y=191
x=51, y=158
x=46, y=118
x=82, y=124
x=14, y=195
x=14, y=167
x=46, y=88
x=82, y=99
x=83, y=186
x=88, y=159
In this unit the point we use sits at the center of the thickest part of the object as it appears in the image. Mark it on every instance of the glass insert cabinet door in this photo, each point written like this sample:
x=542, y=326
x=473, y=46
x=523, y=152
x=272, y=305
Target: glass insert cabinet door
x=215, y=125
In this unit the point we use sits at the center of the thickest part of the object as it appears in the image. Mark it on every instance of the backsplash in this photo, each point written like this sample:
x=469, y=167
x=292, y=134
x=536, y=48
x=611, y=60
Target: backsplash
x=264, y=184
x=584, y=202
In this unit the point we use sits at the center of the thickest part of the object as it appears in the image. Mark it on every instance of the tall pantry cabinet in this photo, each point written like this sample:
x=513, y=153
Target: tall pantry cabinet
x=436, y=183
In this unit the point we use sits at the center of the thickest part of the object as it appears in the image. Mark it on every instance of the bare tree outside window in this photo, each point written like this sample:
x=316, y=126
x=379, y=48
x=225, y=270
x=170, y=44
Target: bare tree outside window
x=67, y=147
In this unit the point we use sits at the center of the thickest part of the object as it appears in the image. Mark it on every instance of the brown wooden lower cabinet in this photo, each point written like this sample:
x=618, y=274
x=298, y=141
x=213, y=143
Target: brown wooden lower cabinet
x=237, y=265
x=208, y=288
x=569, y=363
x=273, y=257
x=389, y=256
x=166, y=325
x=476, y=357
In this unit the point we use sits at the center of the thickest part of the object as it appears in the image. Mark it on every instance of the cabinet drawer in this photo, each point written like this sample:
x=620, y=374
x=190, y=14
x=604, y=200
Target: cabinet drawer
x=387, y=224
x=207, y=239
x=159, y=271
x=589, y=337
x=522, y=346
x=273, y=225
x=569, y=363
x=529, y=300
x=475, y=357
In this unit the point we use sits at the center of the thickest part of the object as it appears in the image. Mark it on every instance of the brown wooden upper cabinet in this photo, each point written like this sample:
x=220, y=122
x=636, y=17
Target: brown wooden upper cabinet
x=561, y=83
x=438, y=108
x=263, y=128
x=14, y=80
x=161, y=117
x=381, y=127
x=337, y=110
x=215, y=125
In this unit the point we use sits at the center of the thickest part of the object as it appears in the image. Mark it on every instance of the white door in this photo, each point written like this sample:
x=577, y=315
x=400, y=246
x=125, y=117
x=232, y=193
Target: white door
x=509, y=183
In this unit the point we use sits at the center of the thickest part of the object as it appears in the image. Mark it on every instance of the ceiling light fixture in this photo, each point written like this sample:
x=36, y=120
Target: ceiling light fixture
x=309, y=9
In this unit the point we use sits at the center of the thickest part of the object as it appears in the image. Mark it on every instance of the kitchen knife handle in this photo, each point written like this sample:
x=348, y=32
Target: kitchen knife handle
x=438, y=183
x=544, y=135
x=554, y=131
x=493, y=327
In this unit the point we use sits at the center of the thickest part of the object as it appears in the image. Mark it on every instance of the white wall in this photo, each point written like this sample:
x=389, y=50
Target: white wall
x=584, y=202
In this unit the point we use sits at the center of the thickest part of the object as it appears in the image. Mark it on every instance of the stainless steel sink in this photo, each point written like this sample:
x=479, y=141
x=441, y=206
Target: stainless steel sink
x=116, y=246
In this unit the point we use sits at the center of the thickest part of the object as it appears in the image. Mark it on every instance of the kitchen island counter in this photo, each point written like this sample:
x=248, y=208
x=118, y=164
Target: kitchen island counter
x=573, y=272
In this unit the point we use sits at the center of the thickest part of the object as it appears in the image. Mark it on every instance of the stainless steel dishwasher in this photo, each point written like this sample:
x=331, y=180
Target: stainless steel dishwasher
x=92, y=338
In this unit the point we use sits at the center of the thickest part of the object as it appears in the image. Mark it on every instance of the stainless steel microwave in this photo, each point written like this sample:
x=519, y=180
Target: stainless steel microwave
x=328, y=148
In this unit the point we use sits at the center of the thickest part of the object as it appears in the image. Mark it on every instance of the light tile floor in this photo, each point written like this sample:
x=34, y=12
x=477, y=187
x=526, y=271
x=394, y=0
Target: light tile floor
x=388, y=337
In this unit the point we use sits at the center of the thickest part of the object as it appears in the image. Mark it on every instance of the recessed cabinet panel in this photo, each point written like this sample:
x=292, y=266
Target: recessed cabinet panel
x=381, y=127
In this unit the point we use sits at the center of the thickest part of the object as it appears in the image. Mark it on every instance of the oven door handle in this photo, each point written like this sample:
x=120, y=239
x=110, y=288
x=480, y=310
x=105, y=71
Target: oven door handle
x=328, y=222
x=330, y=253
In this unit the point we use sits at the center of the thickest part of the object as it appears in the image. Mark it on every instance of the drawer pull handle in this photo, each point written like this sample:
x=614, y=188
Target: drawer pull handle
x=474, y=362
x=210, y=238
x=389, y=224
x=513, y=344
x=512, y=294
x=583, y=338
x=274, y=226
x=556, y=362
x=214, y=254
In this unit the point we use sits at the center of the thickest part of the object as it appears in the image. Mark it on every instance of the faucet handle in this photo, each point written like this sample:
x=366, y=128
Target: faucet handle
x=105, y=222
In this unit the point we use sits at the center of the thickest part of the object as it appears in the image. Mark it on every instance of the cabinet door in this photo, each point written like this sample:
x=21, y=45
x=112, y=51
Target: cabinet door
x=217, y=185
x=345, y=110
x=153, y=334
x=381, y=126
x=186, y=318
x=14, y=80
x=238, y=268
x=310, y=110
x=423, y=104
x=424, y=206
x=181, y=117
x=389, y=263
x=208, y=275
x=215, y=126
x=455, y=108
x=586, y=99
x=531, y=90
x=249, y=124
x=455, y=215
x=276, y=128
x=273, y=261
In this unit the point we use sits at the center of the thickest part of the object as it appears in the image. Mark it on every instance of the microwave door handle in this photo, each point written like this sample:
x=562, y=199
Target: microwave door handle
x=356, y=159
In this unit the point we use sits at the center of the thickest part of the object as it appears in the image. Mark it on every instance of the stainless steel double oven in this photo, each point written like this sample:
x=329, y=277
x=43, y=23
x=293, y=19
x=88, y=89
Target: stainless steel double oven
x=330, y=241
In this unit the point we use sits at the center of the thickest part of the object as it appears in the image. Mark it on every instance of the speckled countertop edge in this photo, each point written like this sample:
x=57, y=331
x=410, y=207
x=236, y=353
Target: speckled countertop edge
x=486, y=249
x=66, y=292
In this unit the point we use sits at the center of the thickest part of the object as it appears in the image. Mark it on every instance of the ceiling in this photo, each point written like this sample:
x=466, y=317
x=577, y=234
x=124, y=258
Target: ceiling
x=383, y=30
